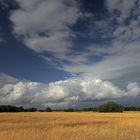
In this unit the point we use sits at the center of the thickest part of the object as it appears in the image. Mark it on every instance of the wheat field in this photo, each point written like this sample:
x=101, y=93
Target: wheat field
x=70, y=126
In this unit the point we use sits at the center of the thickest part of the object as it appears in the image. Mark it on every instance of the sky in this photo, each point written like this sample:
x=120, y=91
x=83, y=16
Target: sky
x=69, y=53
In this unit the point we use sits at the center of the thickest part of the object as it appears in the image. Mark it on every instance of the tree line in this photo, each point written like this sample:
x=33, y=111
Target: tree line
x=10, y=108
x=107, y=107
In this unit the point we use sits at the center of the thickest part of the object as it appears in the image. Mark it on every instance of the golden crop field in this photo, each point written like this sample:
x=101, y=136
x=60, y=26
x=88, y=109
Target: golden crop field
x=70, y=126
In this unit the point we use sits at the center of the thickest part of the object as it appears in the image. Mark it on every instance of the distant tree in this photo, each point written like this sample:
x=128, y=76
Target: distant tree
x=131, y=108
x=41, y=110
x=107, y=107
x=9, y=108
x=94, y=109
x=48, y=109
x=69, y=110
x=33, y=109
x=110, y=107
x=30, y=109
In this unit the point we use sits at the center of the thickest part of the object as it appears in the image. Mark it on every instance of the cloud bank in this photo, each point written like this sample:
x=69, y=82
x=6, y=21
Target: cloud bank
x=67, y=93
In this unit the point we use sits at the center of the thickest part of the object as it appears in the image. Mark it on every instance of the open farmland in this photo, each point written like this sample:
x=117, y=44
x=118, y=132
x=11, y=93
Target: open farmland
x=70, y=126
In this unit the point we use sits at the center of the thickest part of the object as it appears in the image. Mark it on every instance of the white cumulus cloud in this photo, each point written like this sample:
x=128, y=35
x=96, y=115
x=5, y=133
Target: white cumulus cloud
x=65, y=93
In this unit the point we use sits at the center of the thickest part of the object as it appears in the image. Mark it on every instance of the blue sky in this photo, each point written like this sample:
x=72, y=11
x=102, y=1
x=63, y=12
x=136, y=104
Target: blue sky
x=19, y=61
x=60, y=43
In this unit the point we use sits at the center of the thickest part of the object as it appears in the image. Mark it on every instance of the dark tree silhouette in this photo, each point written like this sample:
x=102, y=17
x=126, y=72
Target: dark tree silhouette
x=48, y=109
x=110, y=107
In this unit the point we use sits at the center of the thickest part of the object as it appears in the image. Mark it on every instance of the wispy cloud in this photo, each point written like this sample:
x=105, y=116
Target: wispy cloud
x=6, y=79
x=48, y=28
x=45, y=26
